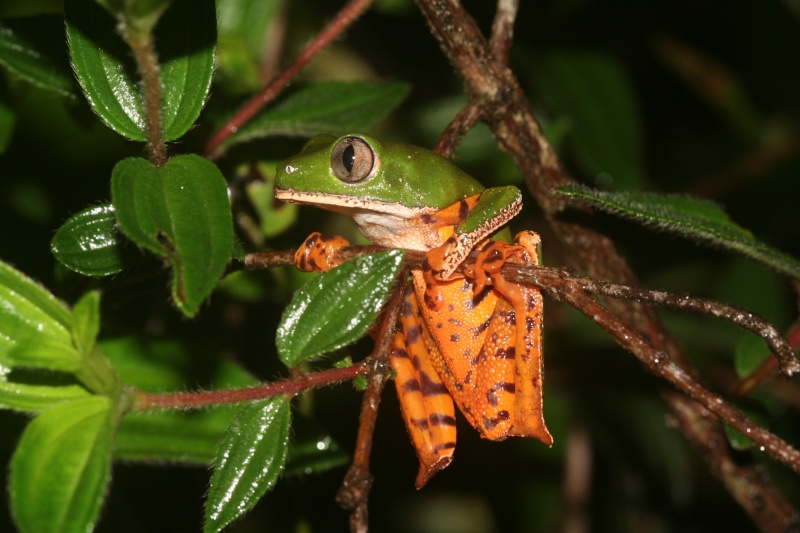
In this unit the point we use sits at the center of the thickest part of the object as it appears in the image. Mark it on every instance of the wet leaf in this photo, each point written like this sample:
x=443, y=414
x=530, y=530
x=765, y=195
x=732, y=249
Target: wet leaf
x=337, y=307
x=90, y=243
x=251, y=457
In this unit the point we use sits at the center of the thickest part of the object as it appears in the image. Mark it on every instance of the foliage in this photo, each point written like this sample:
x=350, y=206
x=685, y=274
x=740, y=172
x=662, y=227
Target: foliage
x=696, y=108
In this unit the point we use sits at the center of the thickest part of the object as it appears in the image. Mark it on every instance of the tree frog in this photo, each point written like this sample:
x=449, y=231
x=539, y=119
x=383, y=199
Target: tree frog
x=473, y=338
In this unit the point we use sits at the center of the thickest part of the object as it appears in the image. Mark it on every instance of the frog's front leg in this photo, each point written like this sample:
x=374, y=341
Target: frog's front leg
x=317, y=252
x=426, y=404
x=484, y=216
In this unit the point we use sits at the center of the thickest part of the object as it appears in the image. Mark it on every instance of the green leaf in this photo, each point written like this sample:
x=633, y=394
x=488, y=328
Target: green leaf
x=32, y=48
x=75, y=355
x=95, y=371
x=107, y=74
x=593, y=92
x=86, y=321
x=189, y=438
x=334, y=108
x=237, y=74
x=45, y=353
x=696, y=219
x=30, y=314
x=337, y=307
x=251, y=457
x=186, y=39
x=104, y=67
x=27, y=390
x=90, y=243
x=158, y=365
x=29, y=311
x=61, y=468
x=181, y=212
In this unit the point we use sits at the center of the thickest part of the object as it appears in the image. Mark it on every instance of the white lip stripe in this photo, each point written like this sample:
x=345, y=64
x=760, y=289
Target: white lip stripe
x=348, y=203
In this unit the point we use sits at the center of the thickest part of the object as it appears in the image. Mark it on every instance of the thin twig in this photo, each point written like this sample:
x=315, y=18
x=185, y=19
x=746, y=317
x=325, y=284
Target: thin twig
x=464, y=121
x=766, y=369
x=147, y=62
x=345, y=17
x=354, y=493
x=779, y=346
x=503, y=29
x=660, y=364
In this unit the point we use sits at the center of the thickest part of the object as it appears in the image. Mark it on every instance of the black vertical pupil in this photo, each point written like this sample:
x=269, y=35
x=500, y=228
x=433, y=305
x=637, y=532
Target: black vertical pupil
x=349, y=158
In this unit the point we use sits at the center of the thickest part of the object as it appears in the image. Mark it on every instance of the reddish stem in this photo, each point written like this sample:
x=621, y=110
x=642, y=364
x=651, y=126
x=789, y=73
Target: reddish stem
x=343, y=19
x=193, y=400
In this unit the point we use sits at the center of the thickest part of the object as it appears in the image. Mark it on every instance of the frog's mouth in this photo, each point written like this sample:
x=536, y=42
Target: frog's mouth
x=385, y=224
x=349, y=205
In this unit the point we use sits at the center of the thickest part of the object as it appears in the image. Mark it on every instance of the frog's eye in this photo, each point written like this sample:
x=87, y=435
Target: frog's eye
x=352, y=159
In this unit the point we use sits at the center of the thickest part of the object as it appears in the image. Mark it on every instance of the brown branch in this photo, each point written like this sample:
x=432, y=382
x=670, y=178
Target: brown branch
x=345, y=17
x=509, y=116
x=659, y=363
x=518, y=134
x=489, y=80
x=354, y=493
x=562, y=285
x=778, y=344
x=768, y=367
x=749, y=484
x=548, y=278
x=464, y=121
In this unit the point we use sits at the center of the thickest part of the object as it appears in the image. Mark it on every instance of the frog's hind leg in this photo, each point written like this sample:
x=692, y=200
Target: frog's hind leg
x=514, y=350
x=427, y=407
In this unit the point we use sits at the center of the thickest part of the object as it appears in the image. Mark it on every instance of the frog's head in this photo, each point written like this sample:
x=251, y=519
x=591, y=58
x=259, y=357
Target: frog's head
x=357, y=172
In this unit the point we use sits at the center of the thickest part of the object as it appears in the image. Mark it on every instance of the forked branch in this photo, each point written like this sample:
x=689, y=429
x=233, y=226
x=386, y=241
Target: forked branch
x=505, y=109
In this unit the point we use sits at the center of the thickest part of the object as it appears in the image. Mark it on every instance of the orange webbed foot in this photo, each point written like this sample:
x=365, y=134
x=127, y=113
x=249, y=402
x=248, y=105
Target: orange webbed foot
x=317, y=252
x=488, y=265
x=437, y=266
